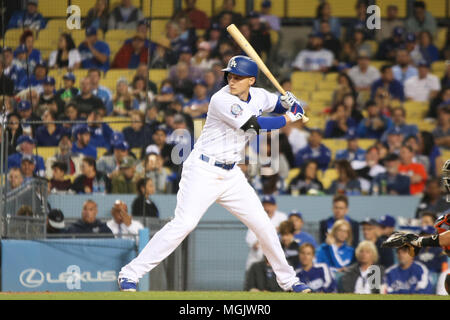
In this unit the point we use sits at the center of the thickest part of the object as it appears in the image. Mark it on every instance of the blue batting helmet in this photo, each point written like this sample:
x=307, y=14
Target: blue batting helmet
x=241, y=66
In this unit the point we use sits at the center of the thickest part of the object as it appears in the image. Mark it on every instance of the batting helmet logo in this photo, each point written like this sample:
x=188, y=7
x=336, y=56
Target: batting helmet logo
x=241, y=66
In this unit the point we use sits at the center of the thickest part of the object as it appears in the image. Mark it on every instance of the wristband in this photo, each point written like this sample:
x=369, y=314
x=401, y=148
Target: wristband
x=432, y=241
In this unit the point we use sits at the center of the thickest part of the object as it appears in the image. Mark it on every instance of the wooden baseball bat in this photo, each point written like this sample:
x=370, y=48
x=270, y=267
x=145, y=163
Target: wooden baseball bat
x=246, y=46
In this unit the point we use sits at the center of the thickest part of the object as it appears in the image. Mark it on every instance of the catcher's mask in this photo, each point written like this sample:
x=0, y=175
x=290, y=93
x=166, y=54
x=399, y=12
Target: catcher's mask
x=446, y=178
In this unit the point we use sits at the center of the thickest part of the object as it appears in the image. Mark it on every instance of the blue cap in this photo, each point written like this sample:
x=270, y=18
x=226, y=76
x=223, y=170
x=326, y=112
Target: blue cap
x=387, y=221
x=268, y=198
x=69, y=76
x=295, y=213
x=423, y=63
x=121, y=145
x=428, y=230
x=186, y=49
x=398, y=32
x=91, y=31
x=410, y=37
x=28, y=157
x=80, y=129
x=49, y=80
x=116, y=137
x=266, y=4
x=24, y=105
x=167, y=90
x=25, y=138
x=161, y=127
x=394, y=130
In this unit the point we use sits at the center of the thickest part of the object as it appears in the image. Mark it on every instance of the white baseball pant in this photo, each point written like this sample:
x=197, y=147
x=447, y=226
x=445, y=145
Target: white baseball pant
x=201, y=185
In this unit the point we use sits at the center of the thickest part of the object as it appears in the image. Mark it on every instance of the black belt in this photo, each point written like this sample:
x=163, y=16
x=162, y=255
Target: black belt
x=218, y=164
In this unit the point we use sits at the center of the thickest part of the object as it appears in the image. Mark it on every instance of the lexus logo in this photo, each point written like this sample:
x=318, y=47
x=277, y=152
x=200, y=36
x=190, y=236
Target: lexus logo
x=31, y=278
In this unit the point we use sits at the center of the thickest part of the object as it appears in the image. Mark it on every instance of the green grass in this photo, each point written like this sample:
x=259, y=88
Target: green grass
x=205, y=295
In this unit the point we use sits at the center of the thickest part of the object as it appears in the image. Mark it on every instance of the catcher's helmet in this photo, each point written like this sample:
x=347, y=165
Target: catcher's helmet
x=446, y=178
x=241, y=66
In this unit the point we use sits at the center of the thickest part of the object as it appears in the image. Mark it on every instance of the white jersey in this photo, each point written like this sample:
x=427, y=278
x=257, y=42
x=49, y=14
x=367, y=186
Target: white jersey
x=221, y=137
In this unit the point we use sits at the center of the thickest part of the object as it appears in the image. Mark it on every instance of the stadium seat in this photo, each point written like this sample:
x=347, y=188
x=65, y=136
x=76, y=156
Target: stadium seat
x=373, y=46
x=401, y=5
x=441, y=38
x=47, y=39
x=277, y=9
x=157, y=75
x=426, y=126
x=160, y=9
x=80, y=35
x=366, y=143
x=436, y=7
x=52, y=8
x=322, y=96
x=301, y=9
x=415, y=109
x=439, y=66
x=328, y=177
x=204, y=5
x=57, y=25
x=118, y=123
x=445, y=154
x=331, y=76
x=137, y=152
x=343, y=8
x=46, y=152
x=316, y=109
x=316, y=122
x=378, y=63
x=101, y=152
x=158, y=31
x=326, y=85
x=198, y=126
x=335, y=145
x=291, y=175
x=12, y=37
x=85, y=6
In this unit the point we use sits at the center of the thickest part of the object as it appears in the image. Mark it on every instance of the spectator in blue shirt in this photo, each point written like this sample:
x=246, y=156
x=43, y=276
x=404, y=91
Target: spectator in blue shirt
x=29, y=18
x=340, y=123
x=49, y=134
x=100, y=91
x=11, y=69
x=317, y=276
x=391, y=182
x=340, y=211
x=428, y=50
x=403, y=70
x=375, y=124
x=353, y=151
x=408, y=276
x=82, y=138
x=336, y=252
x=27, y=56
x=94, y=53
x=138, y=134
x=37, y=79
x=387, y=81
x=300, y=236
x=389, y=46
x=323, y=13
x=398, y=116
x=314, y=150
x=25, y=146
x=197, y=107
x=101, y=132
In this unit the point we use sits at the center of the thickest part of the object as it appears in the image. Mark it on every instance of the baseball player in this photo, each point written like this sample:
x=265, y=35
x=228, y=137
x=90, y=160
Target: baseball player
x=210, y=174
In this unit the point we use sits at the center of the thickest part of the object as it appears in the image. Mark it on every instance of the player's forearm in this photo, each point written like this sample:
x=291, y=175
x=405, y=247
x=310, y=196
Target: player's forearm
x=438, y=240
x=272, y=123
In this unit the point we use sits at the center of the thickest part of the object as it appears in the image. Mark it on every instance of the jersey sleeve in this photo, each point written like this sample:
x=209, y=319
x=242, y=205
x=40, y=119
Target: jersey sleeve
x=231, y=111
x=270, y=100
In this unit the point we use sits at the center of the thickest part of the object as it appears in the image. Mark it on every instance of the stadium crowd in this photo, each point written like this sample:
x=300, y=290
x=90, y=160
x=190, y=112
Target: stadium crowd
x=367, y=103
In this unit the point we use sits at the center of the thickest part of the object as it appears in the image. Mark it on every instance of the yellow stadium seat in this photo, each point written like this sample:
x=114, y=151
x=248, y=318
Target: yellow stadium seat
x=303, y=76
x=117, y=123
x=315, y=109
x=12, y=37
x=52, y=8
x=439, y=66
x=415, y=109
x=101, y=152
x=46, y=152
x=277, y=9
x=301, y=9
x=322, y=96
x=158, y=31
x=157, y=75
x=291, y=175
x=373, y=46
x=331, y=76
x=121, y=35
x=316, y=122
x=328, y=177
x=335, y=145
x=137, y=152
x=47, y=39
x=326, y=85
x=58, y=25
x=204, y=5
x=198, y=127
x=116, y=74
x=160, y=9
x=366, y=143
x=401, y=5
x=85, y=6
x=426, y=126
x=343, y=8
x=441, y=38
x=274, y=37
x=436, y=7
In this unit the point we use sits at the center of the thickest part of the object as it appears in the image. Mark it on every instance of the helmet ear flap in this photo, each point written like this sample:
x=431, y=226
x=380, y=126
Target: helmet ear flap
x=225, y=77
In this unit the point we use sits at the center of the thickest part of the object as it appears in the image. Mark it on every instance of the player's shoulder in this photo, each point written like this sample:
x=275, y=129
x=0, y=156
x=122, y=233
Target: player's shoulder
x=223, y=95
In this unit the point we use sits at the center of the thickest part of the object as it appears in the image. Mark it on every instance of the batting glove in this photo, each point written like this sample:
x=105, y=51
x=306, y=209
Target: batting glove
x=296, y=112
x=288, y=100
